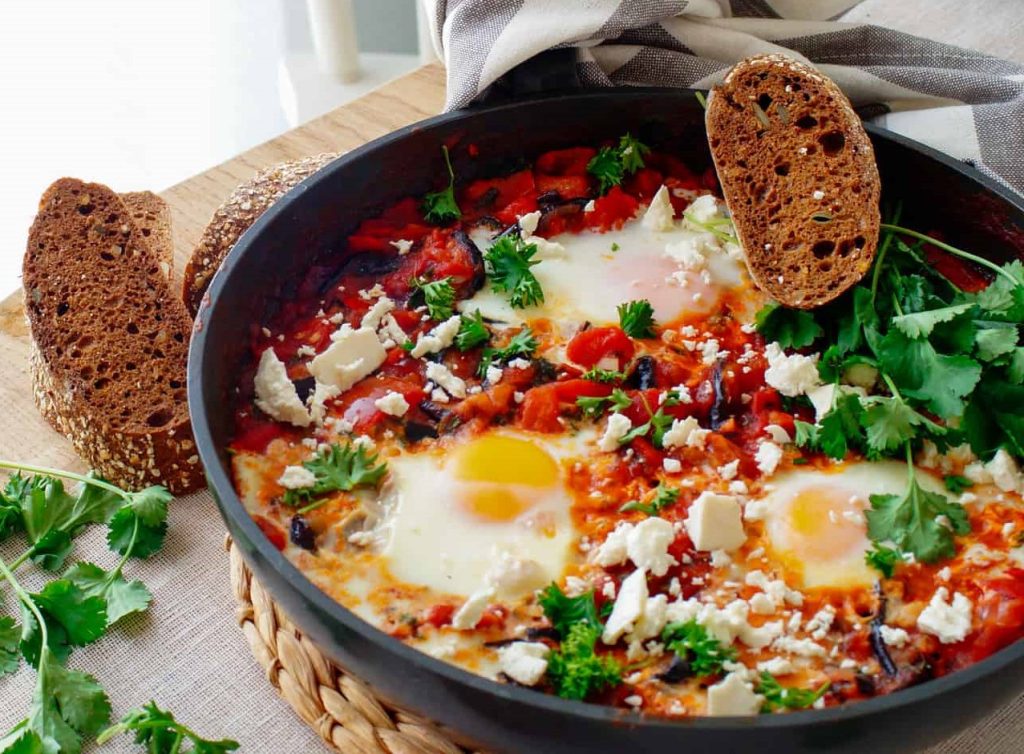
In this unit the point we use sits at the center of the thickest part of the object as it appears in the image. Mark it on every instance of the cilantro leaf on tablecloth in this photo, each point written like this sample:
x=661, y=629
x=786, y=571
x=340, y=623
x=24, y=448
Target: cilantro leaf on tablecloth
x=10, y=637
x=440, y=207
x=160, y=733
x=72, y=619
x=122, y=597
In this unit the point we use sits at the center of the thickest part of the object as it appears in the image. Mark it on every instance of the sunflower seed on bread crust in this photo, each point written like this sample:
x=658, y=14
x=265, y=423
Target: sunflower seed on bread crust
x=110, y=340
x=799, y=176
x=236, y=215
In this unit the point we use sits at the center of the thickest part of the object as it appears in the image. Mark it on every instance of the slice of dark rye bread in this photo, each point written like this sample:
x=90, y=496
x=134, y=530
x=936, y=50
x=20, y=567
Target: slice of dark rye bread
x=799, y=176
x=111, y=340
x=246, y=203
x=152, y=216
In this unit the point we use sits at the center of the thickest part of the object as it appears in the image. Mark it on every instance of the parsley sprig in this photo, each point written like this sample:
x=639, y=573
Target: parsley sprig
x=508, y=265
x=77, y=608
x=693, y=643
x=522, y=345
x=575, y=670
x=594, y=407
x=776, y=696
x=945, y=357
x=636, y=318
x=337, y=468
x=438, y=295
x=472, y=331
x=663, y=497
x=440, y=207
x=611, y=165
x=162, y=734
x=596, y=374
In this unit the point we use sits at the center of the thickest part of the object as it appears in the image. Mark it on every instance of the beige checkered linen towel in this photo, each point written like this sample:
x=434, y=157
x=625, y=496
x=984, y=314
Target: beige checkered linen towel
x=962, y=102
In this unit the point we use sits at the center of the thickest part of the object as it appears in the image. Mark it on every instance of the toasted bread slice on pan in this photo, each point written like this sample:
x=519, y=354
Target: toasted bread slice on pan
x=798, y=174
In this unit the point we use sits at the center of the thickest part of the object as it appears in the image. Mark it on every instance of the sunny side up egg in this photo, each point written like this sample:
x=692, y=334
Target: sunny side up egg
x=453, y=520
x=586, y=275
x=815, y=525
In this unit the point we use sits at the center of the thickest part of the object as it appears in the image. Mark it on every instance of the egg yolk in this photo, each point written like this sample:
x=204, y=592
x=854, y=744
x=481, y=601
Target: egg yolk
x=497, y=469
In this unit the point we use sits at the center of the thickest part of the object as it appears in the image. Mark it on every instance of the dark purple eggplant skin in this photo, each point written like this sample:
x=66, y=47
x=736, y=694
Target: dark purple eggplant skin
x=479, y=272
x=302, y=533
x=416, y=431
x=642, y=376
x=678, y=670
x=720, y=406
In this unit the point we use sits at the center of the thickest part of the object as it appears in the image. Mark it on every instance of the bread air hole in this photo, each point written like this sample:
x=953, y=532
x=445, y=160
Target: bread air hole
x=807, y=121
x=832, y=142
x=782, y=169
x=823, y=249
x=159, y=418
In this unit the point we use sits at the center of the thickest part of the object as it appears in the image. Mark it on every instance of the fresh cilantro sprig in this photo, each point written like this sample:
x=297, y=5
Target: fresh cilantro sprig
x=438, y=295
x=440, y=207
x=67, y=706
x=564, y=611
x=509, y=262
x=594, y=406
x=636, y=318
x=611, y=165
x=522, y=345
x=656, y=425
x=472, y=331
x=776, y=696
x=663, y=497
x=337, y=468
x=790, y=328
x=160, y=733
x=596, y=374
x=693, y=643
x=956, y=483
x=883, y=559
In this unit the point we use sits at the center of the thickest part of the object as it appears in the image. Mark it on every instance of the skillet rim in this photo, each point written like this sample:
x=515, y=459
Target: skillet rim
x=235, y=515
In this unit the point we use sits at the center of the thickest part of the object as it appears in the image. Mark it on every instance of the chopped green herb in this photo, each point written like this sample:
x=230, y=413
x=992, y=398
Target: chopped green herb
x=509, y=261
x=636, y=318
x=438, y=295
x=593, y=407
x=338, y=468
x=595, y=374
x=575, y=670
x=776, y=696
x=615, y=246
x=957, y=484
x=663, y=497
x=692, y=642
x=440, y=207
x=522, y=345
x=883, y=559
x=612, y=164
x=564, y=611
x=472, y=331
x=631, y=152
x=790, y=328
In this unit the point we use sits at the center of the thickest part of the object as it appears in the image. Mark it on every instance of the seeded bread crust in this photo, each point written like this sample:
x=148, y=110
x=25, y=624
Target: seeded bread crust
x=799, y=176
x=236, y=215
x=110, y=340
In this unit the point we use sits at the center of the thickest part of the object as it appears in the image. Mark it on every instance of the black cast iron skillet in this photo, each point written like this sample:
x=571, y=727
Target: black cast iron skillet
x=937, y=192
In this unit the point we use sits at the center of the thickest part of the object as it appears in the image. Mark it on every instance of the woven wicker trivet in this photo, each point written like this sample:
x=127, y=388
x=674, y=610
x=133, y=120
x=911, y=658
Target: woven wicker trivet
x=339, y=707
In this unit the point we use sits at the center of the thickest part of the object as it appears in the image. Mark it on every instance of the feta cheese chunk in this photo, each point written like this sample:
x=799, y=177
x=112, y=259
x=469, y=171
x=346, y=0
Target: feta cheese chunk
x=440, y=375
x=352, y=355
x=894, y=637
x=528, y=223
x=472, y=609
x=296, y=478
x=513, y=577
x=629, y=607
x=685, y=433
x=524, y=662
x=613, y=551
x=791, y=375
x=660, y=215
x=714, y=522
x=733, y=697
x=439, y=338
x=647, y=545
x=617, y=428
x=392, y=404
x=768, y=457
x=382, y=307
x=949, y=621
x=275, y=393
x=1005, y=472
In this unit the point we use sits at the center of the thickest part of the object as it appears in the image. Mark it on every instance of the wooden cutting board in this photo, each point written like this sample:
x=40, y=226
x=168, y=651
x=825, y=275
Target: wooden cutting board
x=418, y=95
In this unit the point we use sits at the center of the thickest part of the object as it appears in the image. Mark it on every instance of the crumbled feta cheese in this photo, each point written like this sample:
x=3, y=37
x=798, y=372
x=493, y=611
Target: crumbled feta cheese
x=777, y=666
x=799, y=647
x=762, y=604
x=513, y=577
x=305, y=350
x=944, y=573
x=653, y=619
x=1005, y=472
x=382, y=307
x=729, y=470
x=660, y=215
x=590, y=206
x=403, y=245
x=618, y=427
x=439, y=338
x=296, y=478
x=647, y=545
x=738, y=487
x=977, y=473
x=613, y=551
x=894, y=637
x=709, y=351
x=352, y=355
x=949, y=621
x=528, y=223
x=494, y=374
x=778, y=434
x=524, y=662
x=472, y=610
x=768, y=456
x=519, y=363
x=628, y=608
x=275, y=393
x=720, y=559
x=791, y=375
x=755, y=510
x=702, y=209
x=714, y=522
x=392, y=403
x=689, y=253
x=820, y=623
x=437, y=395
x=440, y=374
x=684, y=432
x=672, y=466
x=733, y=697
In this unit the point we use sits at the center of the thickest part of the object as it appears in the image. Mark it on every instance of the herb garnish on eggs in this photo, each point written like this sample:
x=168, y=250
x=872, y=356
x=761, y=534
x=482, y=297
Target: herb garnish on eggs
x=440, y=207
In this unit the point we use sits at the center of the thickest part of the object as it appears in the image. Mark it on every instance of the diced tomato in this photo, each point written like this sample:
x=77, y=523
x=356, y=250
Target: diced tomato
x=443, y=255
x=646, y=454
x=766, y=399
x=516, y=209
x=255, y=437
x=612, y=210
x=357, y=404
x=959, y=272
x=272, y=532
x=1000, y=613
x=490, y=195
x=669, y=373
x=567, y=186
x=542, y=405
x=644, y=183
x=590, y=346
x=360, y=244
x=565, y=161
x=439, y=615
x=486, y=405
x=493, y=617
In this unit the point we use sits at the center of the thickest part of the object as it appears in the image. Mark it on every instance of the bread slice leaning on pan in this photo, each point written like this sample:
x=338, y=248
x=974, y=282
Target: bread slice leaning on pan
x=799, y=176
x=111, y=340
x=236, y=215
